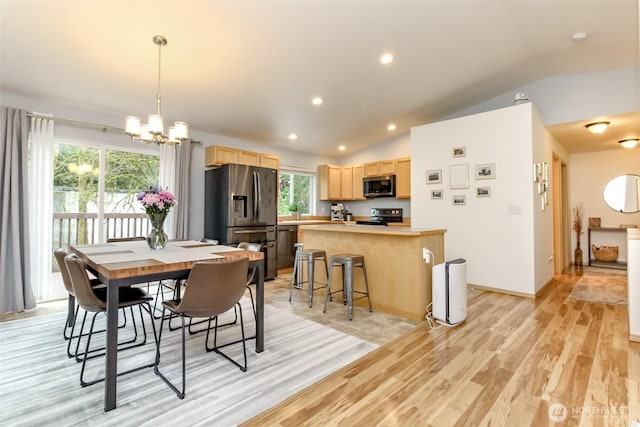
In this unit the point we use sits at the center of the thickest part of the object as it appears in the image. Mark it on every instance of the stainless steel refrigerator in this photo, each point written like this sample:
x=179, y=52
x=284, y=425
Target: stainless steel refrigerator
x=240, y=205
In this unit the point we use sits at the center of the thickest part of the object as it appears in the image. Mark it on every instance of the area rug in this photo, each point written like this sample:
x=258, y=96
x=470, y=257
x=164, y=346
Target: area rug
x=599, y=285
x=39, y=385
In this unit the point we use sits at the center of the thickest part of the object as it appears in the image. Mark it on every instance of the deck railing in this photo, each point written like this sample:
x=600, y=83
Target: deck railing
x=73, y=228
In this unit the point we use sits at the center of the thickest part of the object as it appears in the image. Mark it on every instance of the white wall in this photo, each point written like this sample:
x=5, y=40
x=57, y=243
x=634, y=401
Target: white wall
x=634, y=283
x=495, y=234
x=574, y=97
x=588, y=175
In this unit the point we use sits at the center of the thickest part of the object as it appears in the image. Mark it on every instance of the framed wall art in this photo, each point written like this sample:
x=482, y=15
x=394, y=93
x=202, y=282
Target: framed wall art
x=434, y=176
x=483, y=191
x=486, y=171
x=459, y=152
x=459, y=199
x=459, y=176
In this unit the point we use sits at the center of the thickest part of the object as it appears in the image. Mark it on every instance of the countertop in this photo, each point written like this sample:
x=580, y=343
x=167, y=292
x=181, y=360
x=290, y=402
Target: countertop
x=373, y=229
x=304, y=222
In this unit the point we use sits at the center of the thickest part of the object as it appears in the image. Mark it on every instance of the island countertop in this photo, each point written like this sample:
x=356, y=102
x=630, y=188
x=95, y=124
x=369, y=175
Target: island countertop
x=374, y=229
x=399, y=279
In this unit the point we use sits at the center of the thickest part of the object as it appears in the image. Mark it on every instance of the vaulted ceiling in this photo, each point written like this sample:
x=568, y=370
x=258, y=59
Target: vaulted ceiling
x=249, y=69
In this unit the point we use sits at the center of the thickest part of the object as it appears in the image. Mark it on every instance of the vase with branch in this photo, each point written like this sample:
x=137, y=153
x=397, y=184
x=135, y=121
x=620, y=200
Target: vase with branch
x=578, y=215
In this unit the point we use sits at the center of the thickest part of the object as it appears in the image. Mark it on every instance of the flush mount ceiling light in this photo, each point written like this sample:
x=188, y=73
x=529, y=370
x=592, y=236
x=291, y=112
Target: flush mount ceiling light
x=386, y=58
x=293, y=136
x=316, y=101
x=153, y=130
x=342, y=148
x=597, y=127
x=629, y=143
x=578, y=36
x=391, y=127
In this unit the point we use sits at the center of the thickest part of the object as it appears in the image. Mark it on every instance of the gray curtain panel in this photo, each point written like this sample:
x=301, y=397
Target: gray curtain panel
x=16, y=293
x=183, y=189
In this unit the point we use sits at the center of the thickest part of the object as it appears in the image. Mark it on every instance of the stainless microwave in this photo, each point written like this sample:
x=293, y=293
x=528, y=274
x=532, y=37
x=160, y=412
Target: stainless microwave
x=379, y=186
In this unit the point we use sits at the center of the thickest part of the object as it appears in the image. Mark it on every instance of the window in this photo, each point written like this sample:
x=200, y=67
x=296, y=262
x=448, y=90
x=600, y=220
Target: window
x=94, y=193
x=296, y=188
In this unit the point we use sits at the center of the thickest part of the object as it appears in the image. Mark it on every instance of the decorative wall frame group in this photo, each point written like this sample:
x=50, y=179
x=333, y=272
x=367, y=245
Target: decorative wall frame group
x=541, y=177
x=459, y=178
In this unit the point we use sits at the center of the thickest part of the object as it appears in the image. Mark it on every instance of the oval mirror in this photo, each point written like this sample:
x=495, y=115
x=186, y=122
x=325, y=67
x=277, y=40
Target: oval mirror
x=622, y=193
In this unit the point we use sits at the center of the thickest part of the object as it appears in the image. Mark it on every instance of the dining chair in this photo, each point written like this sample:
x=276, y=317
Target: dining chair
x=93, y=300
x=214, y=288
x=254, y=247
x=73, y=307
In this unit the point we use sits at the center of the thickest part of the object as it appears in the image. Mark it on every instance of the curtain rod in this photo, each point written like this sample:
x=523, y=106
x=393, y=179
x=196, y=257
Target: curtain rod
x=104, y=128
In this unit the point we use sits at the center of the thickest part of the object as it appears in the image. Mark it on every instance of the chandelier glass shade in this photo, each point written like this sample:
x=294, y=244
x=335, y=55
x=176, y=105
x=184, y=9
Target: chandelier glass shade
x=153, y=130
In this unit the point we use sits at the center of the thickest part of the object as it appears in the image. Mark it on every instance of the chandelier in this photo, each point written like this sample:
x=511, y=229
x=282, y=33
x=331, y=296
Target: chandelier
x=153, y=130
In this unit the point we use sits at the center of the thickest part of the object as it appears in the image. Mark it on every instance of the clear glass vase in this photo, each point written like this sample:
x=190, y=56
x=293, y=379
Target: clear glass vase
x=157, y=238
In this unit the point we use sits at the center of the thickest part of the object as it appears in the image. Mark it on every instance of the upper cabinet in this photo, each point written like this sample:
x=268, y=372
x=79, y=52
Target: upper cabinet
x=269, y=161
x=383, y=167
x=358, y=190
x=329, y=182
x=403, y=178
x=340, y=182
x=215, y=155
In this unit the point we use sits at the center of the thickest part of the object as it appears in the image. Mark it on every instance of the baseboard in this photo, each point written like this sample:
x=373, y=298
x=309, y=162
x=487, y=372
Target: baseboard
x=543, y=288
x=501, y=291
x=634, y=338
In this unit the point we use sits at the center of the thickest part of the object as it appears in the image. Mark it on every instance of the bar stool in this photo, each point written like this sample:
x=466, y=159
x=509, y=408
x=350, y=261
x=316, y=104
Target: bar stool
x=311, y=256
x=347, y=262
x=297, y=267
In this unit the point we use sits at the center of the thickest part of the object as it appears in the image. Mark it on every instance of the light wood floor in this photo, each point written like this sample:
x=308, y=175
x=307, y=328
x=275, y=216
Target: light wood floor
x=513, y=361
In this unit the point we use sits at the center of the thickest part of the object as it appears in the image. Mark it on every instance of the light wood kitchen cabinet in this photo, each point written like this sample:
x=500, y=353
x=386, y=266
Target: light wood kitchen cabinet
x=358, y=174
x=346, y=183
x=329, y=182
x=403, y=178
x=383, y=167
x=216, y=155
x=248, y=158
x=269, y=161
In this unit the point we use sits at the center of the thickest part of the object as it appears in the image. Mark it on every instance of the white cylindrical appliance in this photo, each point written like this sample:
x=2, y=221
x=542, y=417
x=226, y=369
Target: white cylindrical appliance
x=449, y=292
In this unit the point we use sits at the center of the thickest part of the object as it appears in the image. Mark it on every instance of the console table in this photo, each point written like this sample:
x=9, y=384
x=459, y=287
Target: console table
x=607, y=264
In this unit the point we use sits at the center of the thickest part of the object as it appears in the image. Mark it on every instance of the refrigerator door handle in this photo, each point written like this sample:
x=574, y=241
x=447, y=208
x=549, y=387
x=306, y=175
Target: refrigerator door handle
x=257, y=200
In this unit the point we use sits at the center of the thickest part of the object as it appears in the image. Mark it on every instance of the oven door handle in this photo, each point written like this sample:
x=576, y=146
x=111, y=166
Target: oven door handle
x=250, y=231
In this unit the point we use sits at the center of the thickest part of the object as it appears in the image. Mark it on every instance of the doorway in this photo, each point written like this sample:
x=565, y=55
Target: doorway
x=560, y=215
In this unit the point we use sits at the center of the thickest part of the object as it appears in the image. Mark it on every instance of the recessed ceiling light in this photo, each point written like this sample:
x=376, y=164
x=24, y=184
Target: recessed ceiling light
x=316, y=101
x=597, y=127
x=391, y=126
x=580, y=35
x=342, y=148
x=629, y=143
x=386, y=58
x=293, y=136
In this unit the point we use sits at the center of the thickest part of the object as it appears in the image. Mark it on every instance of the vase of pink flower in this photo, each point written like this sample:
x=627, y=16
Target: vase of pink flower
x=157, y=203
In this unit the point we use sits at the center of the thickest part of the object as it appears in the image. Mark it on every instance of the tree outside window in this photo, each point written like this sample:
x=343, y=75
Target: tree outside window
x=296, y=188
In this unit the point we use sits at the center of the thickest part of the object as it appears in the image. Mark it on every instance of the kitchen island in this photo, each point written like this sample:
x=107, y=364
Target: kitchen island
x=399, y=279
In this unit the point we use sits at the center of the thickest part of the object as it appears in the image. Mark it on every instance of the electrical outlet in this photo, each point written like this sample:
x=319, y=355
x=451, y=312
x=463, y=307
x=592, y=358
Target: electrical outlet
x=514, y=210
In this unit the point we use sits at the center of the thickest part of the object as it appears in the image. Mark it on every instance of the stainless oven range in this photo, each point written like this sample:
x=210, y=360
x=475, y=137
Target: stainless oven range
x=383, y=216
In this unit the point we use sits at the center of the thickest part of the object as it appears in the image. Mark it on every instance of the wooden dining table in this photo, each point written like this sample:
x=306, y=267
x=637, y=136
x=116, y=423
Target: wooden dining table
x=120, y=264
